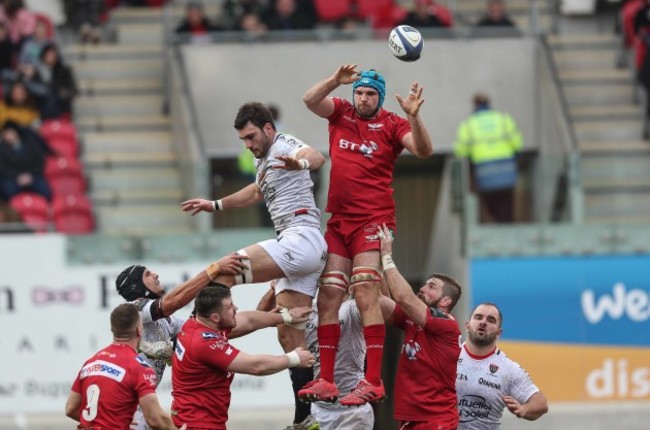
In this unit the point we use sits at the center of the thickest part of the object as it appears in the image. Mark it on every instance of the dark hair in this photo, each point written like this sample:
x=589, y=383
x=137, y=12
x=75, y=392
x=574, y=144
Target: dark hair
x=254, y=112
x=29, y=99
x=51, y=46
x=210, y=300
x=494, y=306
x=450, y=288
x=124, y=321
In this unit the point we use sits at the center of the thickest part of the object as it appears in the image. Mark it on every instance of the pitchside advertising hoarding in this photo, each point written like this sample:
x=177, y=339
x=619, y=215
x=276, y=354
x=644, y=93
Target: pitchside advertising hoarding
x=54, y=316
x=578, y=325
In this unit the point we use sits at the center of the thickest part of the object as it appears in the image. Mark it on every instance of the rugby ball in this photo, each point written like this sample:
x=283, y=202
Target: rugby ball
x=405, y=42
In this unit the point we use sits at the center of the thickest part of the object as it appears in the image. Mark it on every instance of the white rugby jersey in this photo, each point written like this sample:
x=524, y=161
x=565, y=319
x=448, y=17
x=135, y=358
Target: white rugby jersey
x=160, y=329
x=351, y=353
x=480, y=383
x=288, y=194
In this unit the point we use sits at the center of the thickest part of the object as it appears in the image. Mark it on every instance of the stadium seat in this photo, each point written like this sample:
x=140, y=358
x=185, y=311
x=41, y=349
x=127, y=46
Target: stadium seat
x=64, y=147
x=33, y=209
x=330, y=11
x=65, y=175
x=381, y=13
x=58, y=129
x=72, y=214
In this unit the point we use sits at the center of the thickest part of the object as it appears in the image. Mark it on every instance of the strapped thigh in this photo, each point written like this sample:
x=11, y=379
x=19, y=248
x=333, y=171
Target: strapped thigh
x=336, y=279
x=247, y=276
x=365, y=275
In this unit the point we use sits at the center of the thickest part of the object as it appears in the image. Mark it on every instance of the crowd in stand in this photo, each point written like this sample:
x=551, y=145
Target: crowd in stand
x=37, y=139
x=258, y=16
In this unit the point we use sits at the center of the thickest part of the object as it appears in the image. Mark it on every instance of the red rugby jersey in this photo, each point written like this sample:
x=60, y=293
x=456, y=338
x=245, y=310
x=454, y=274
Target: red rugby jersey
x=363, y=154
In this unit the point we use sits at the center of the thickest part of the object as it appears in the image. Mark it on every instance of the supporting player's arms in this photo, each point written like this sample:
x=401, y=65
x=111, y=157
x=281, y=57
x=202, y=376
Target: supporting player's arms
x=400, y=290
x=180, y=296
x=156, y=418
x=269, y=364
x=249, y=321
x=73, y=406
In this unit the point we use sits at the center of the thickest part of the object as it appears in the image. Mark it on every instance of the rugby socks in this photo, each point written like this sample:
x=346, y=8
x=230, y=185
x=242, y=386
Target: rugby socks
x=374, y=335
x=299, y=377
x=328, y=341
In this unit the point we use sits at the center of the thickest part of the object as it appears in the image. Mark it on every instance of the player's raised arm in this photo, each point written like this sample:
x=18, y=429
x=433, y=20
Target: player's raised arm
x=317, y=97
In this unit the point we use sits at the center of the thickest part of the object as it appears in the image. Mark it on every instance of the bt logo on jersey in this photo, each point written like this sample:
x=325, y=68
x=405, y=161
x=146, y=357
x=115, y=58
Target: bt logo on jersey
x=635, y=304
x=366, y=148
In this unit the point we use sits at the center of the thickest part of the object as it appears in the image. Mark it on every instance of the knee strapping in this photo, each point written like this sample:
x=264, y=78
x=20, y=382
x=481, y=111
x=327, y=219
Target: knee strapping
x=365, y=275
x=334, y=278
x=247, y=276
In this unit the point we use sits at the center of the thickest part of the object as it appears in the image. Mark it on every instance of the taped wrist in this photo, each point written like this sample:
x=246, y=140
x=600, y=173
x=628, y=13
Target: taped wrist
x=213, y=271
x=294, y=358
x=218, y=205
x=288, y=320
x=387, y=262
x=305, y=164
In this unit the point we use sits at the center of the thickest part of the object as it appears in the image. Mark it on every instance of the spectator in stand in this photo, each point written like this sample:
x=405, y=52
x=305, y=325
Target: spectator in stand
x=22, y=160
x=6, y=50
x=58, y=82
x=19, y=107
x=291, y=15
x=10, y=220
x=427, y=13
x=30, y=53
x=242, y=14
x=21, y=22
x=495, y=16
x=195, y=27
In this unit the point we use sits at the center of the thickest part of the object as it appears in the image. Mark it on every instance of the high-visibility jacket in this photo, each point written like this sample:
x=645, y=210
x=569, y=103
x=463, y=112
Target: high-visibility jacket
x=488, y=135
x=246, y=163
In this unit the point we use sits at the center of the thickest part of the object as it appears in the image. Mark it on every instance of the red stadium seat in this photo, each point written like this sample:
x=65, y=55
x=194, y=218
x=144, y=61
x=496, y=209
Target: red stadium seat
x=332, y=10
x=33, y=209
x=45, y=19
x=65, y=175
x=72, y=214
x=64, y=147
x=58, y=129
x=381, y=13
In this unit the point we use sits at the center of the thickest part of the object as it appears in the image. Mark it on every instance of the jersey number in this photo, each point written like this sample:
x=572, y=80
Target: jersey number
x=92, y=401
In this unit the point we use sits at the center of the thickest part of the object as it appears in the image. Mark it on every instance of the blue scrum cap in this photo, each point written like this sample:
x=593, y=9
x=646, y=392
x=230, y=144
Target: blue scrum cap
x=372, y=79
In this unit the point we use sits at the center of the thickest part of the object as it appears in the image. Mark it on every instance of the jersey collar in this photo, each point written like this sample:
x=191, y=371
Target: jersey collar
x=480, y=357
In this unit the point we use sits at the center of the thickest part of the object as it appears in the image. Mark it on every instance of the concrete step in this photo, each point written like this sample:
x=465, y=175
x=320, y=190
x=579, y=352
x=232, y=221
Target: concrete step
x=585, y=58
x=119, y=69
x=125, y=142
x=514, y=7
x=639, y=218
x=136, y=196
x=614, y=166
x=133, y=86
x=140, y=15
x=123, y=229
x=608, y=130
x=116, y=51
x=615, y=147
x=131, y=158
x=584, y=41
x=85, y=106
x=641, y=183
x=124, y=178
x=149, y=33
x=606, y=112
x=617, y=204
x=595, y=76
x=123, y=123
x=599, y=94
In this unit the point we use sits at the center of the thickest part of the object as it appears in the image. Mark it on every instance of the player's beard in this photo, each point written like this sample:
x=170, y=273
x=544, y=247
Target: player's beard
x=481, y=340
x=366, y=113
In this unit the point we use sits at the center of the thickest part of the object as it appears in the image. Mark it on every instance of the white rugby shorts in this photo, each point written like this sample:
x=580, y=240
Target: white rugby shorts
x=301, y=253
x=333, y=417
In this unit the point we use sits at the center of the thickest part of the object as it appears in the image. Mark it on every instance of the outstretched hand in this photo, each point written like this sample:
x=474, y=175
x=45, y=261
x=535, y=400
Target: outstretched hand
x=306, y=358
x=346, y=74
x=197, y=205
x=290, y=163
x=386, y=239
x=233, y=264
x=411, y=105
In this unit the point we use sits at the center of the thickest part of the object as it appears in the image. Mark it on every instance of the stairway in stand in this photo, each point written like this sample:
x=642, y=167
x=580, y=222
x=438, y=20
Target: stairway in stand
x=129, y=156
x=608, y=123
